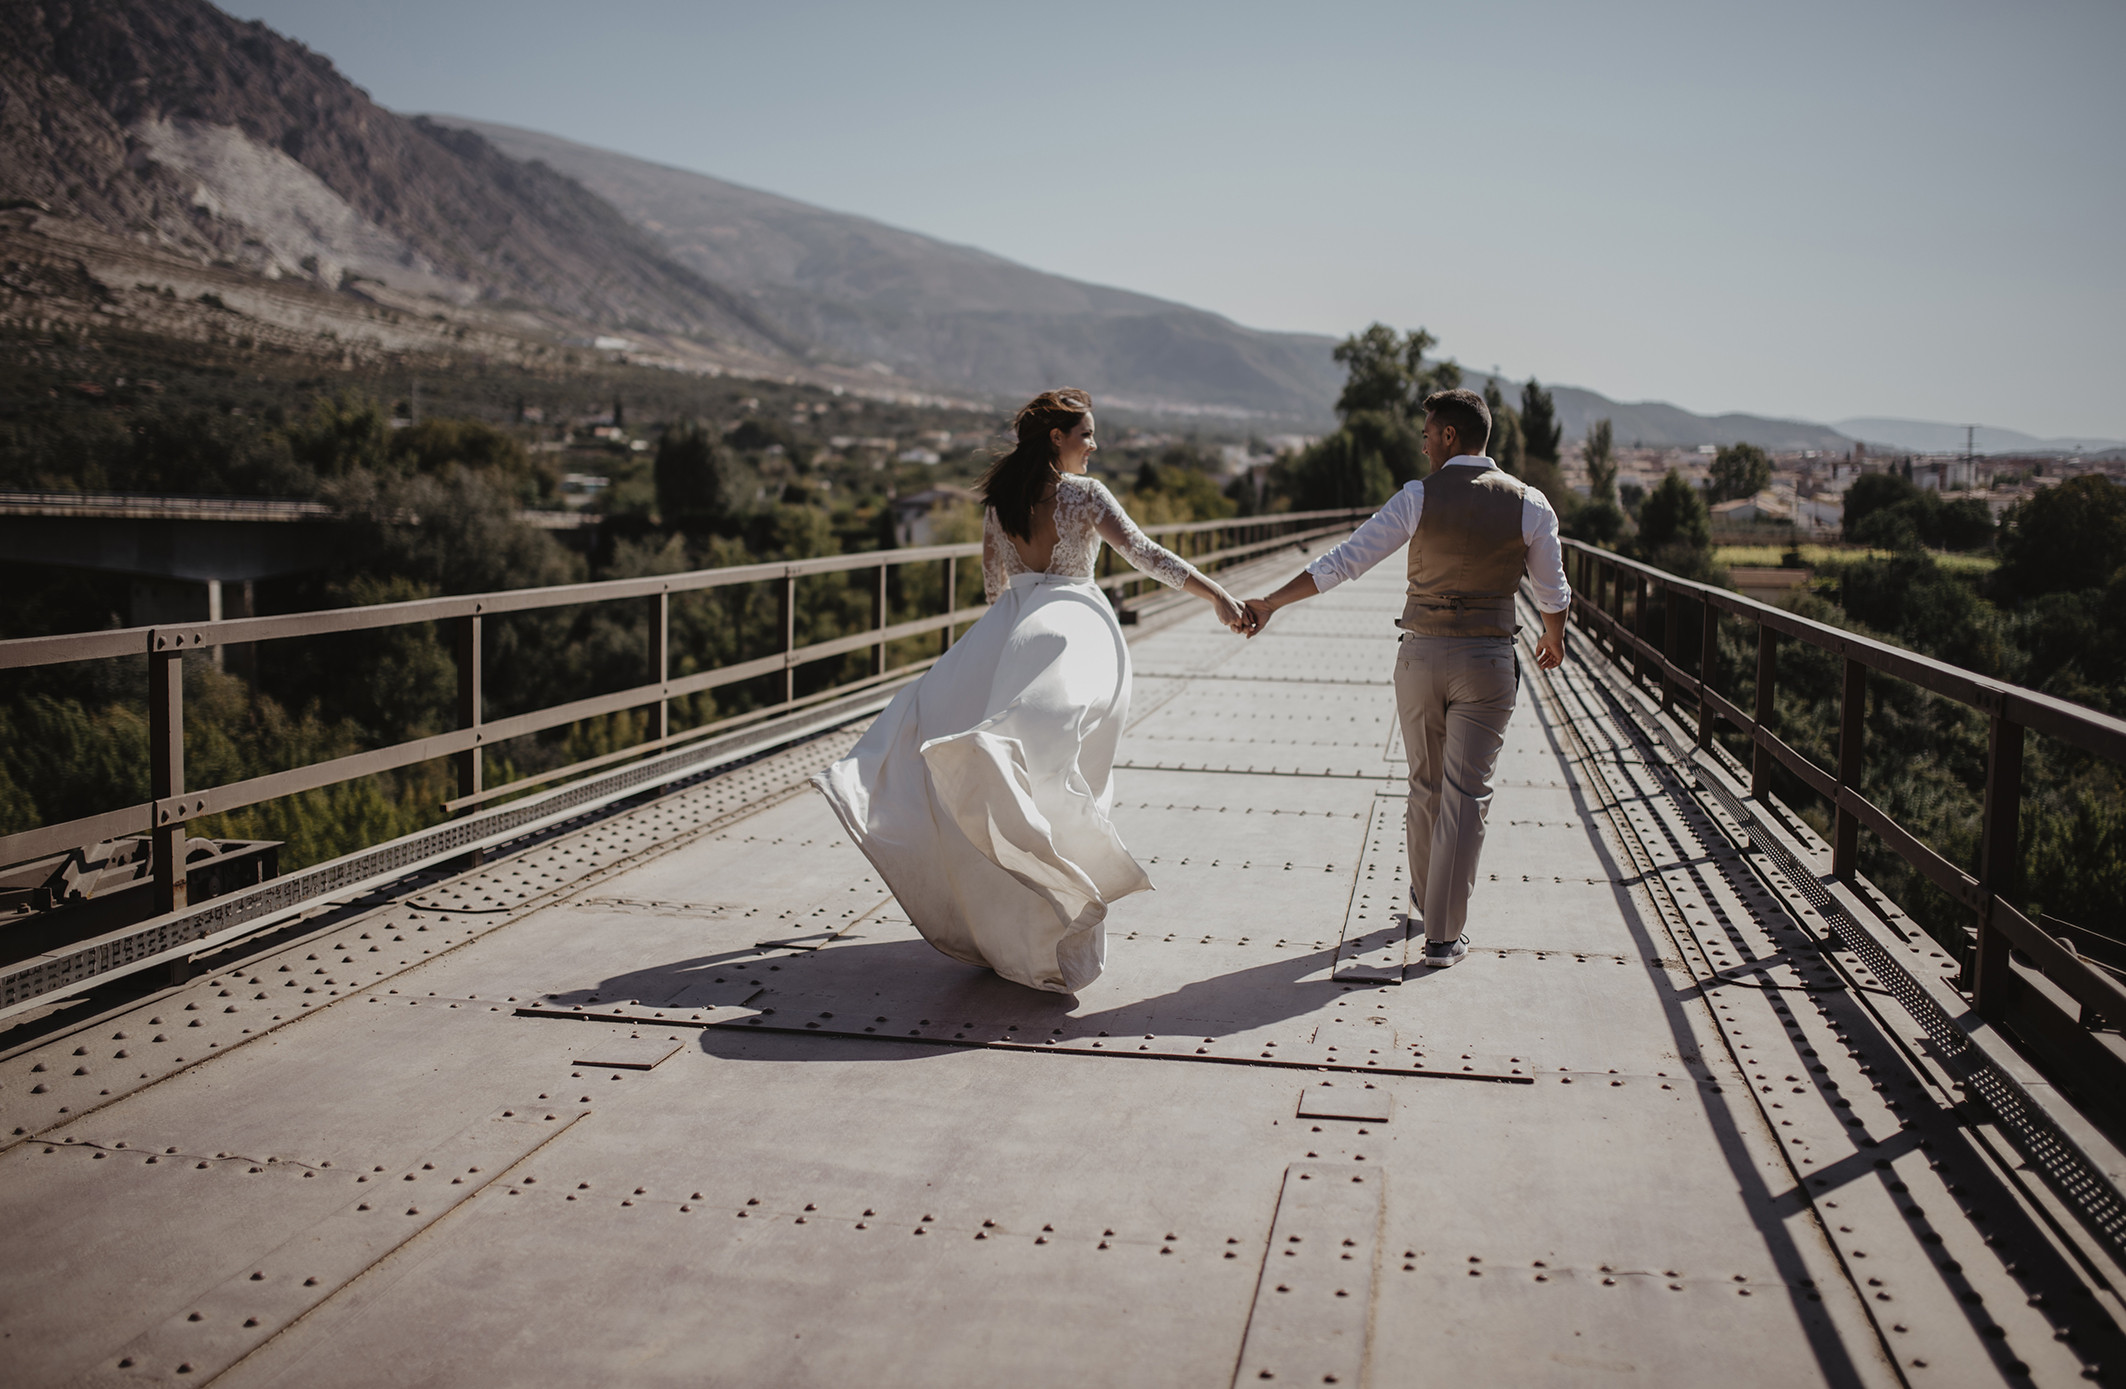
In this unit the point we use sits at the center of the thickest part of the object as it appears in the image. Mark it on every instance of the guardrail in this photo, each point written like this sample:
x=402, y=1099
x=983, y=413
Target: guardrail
x=1641, y=615
x=127, y=506
x=174, y=804
x=132, y=506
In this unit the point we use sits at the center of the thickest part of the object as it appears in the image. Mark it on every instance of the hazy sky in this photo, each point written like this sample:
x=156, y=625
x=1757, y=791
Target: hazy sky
x=1803, y=209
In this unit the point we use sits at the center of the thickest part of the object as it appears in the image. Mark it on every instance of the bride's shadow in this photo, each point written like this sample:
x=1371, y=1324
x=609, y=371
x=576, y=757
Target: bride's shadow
x=888, y=988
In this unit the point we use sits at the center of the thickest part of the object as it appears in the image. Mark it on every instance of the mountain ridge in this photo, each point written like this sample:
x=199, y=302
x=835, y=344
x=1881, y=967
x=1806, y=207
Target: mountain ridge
x=1927, y=436
x=862, y=291
x=184, y=132
x=178, y=125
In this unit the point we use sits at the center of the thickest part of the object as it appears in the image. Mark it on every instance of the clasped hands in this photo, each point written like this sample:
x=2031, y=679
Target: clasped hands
x=1245, y=619
x=1249, y=618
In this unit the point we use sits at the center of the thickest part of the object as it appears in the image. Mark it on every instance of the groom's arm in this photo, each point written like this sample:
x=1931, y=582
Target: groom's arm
x=1259, y=609
x=1384, y=532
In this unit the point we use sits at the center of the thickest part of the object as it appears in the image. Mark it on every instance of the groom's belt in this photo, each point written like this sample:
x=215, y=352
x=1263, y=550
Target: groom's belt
x=1455, y=615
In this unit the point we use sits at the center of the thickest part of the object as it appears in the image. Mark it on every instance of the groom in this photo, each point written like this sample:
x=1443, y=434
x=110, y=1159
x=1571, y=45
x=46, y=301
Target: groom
x=1472, y=530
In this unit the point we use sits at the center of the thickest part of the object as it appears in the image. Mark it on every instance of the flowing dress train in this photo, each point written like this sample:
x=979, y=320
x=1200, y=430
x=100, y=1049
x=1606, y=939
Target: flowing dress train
x=982, y=794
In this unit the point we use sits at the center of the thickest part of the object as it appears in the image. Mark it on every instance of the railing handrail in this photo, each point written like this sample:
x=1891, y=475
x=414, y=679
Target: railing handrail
x=174, y=804
x=23, y=652
x=53, y=502
x=2086, y=728
x=2000, y=929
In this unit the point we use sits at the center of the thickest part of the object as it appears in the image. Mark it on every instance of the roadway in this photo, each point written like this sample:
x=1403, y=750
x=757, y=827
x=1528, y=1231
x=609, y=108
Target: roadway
x=674, y=1096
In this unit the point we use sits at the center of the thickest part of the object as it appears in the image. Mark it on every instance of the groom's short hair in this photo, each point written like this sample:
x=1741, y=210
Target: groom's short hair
x=1466, y=412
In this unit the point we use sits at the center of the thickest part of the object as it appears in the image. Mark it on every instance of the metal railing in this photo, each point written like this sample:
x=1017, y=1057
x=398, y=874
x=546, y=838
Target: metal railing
x=174, y=804
x=130, y=506
x=1640, y=615
x=127, y=506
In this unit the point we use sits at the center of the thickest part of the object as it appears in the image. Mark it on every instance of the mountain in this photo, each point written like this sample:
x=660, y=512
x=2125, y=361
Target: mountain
x=174, y=125
x=858, y=292
x=153, y=145
x=1921, y=436
x=1651, y=424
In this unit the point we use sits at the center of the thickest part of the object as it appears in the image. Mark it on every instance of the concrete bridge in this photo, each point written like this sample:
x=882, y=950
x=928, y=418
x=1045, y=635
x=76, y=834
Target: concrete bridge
x=671, y=1094
x=192, y=559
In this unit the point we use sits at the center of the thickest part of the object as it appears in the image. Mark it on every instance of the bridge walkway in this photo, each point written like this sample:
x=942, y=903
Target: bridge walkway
x=675, y=1096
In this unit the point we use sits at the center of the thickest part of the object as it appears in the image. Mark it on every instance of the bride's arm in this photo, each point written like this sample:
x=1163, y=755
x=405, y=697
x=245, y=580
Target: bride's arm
x=1152, y=558
x=992, y=556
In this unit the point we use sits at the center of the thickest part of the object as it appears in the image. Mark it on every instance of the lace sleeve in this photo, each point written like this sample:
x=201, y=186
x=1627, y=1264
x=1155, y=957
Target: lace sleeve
x=994, y=540
x=1143, y=553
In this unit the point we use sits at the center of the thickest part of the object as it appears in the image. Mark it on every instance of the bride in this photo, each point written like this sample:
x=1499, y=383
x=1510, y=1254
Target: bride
x=982, y=793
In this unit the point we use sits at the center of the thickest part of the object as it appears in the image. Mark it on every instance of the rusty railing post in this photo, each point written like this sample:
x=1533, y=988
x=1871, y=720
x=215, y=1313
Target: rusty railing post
x=660, y=625
x=952, y=600
x=1708, y=662
x=1638, y=627
x=166, y=768
x=1761, y=760
x=1614, y=590
x=1670, y=648
x=878, y=620
x=1998, y=863
x=788, y=623
x=1852, y=738
x=472, y=702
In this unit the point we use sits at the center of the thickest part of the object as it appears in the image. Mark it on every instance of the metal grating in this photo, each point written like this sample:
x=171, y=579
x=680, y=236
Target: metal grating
x=2071, y=1173
x=41, y=978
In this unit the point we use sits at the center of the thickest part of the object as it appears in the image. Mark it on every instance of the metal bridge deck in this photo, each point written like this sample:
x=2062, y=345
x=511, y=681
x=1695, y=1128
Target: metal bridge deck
x=673, y=1096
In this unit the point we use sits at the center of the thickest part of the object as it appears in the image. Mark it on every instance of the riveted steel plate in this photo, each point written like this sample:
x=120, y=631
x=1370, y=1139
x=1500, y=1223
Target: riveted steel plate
x=1346, y=1099
x=221, y=1324
x=1377, y=926
x=625, y=1053
x=1722, y=1154
x=765, y=1246
x=1311, y=1308
x=713, y=993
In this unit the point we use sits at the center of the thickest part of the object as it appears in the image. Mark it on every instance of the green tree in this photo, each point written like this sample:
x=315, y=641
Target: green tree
x=1883, y=511
x=1914, y=600
x=341, y=434
x=1386, y=372
x=1871, y=493
x=691, y=478
x=1380, y=369
x=1598, y=520
x=1380, y=445
x=1539, y=423
x=1739, y=470
x=2066, y=538
x=1334, y=471
x=1675, y=529
x=1507, y=448
x=1179, y=486
x=436, y=445
x=1601, y=463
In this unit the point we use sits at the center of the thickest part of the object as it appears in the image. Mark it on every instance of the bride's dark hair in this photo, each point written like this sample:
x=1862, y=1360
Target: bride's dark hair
x=1015, y=482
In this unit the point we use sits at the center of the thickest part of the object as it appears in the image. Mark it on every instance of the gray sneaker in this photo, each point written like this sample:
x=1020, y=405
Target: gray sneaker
x=1441, y=953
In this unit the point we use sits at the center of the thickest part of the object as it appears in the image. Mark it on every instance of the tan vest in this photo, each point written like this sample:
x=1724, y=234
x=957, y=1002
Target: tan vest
x=1467, y=557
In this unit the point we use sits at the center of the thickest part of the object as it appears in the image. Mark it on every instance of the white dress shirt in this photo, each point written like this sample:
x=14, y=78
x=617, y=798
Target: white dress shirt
x=1390, y=529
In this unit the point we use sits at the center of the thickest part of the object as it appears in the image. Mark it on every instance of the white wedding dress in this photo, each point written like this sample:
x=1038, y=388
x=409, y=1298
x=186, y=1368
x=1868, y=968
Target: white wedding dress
x=982, y=793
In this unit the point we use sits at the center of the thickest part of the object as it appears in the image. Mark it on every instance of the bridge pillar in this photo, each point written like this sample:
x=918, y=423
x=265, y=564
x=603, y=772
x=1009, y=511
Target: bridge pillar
x=158, y=601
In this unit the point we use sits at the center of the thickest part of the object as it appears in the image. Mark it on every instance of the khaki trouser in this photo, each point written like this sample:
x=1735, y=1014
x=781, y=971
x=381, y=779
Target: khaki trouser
x=1454, y=696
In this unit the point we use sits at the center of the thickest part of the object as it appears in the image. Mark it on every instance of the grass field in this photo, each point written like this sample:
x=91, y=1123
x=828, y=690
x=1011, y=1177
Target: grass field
x=1831, y=556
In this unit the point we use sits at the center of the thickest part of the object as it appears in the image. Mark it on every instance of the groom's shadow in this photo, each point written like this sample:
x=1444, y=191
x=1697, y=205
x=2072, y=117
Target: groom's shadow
x=887, y=988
